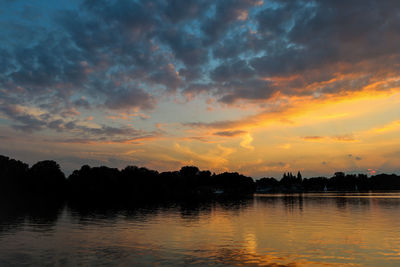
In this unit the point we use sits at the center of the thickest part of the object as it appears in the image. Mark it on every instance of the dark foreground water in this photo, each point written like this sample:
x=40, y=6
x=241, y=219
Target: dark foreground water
x=267, y=230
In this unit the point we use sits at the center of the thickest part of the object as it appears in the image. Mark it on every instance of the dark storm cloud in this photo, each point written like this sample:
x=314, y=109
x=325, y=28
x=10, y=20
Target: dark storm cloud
x=123, y=54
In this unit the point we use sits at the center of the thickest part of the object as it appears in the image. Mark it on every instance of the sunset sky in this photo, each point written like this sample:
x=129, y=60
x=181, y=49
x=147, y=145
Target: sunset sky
x=257, y=87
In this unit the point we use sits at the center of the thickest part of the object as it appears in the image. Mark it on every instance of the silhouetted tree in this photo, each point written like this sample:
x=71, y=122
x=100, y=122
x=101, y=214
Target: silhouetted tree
x=299, y=177
x=234, y=183
x=267, y=185
x=339, y=174
x=46, y=178
x=315, y=183
x=189, y=171
x=385, y=182
x=98, y=182
x=13, y=176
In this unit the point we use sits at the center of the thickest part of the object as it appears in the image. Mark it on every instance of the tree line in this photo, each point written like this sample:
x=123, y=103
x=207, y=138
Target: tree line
x=339, y=182
x=46, y=180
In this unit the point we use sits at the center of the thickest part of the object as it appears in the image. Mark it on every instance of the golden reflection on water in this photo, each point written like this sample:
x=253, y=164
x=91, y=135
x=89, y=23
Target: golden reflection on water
x=268, y=230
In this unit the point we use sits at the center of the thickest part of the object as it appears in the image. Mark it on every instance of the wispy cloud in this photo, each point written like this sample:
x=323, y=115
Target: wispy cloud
x=230, y=133
x=246, y=142
x=338, y=138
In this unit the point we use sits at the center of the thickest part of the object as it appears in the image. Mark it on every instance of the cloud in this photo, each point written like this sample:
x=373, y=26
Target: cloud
x=211, y=157
x=31, y=120
x=319, y=42
x=336, y=138
x=230, y=133
x=224, y=124
x=285, y=146
x=177, y=10
x=133, y=138
x=81, y=103
x=345, y=138
x=394, y=125
x=107, y=134
x=226, y=13
x=246, y=142
x=130, y=99
x=354, y=157
x=312, y=138
x=240, y=50
x=185, y=46
x=26, y=121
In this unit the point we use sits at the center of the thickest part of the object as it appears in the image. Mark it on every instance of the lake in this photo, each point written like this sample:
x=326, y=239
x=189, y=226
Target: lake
x=321, y=229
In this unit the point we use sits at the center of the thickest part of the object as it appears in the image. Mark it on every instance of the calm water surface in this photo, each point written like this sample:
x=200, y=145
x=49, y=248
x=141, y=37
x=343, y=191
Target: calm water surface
x=268, y=230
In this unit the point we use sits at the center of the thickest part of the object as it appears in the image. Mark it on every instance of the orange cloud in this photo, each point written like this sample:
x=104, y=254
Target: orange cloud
x=288, y=110
x=312, y=138
x=340, y=138
x=345, y=138
x=388, y=127
x=246, y=143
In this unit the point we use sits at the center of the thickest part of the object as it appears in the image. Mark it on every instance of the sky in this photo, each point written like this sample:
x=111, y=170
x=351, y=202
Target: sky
x=257, y=87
